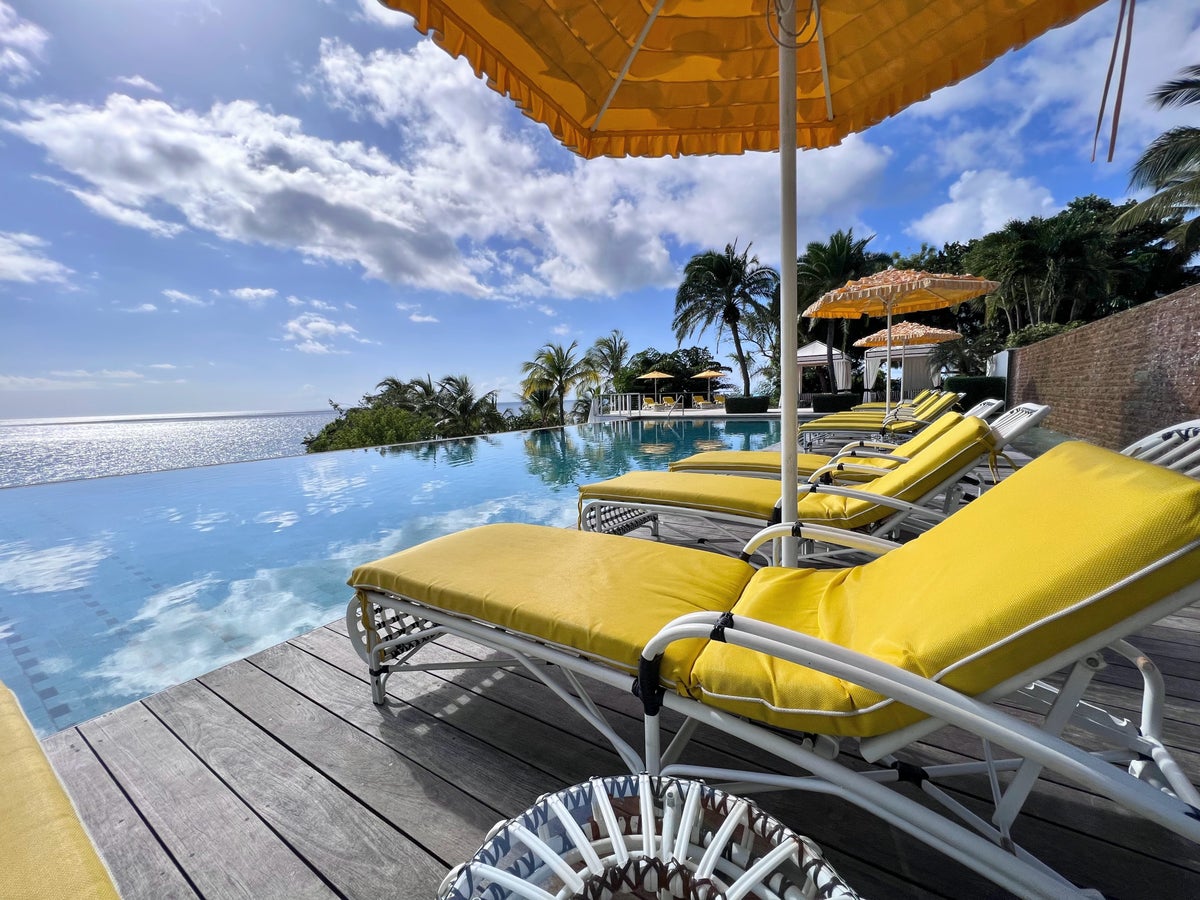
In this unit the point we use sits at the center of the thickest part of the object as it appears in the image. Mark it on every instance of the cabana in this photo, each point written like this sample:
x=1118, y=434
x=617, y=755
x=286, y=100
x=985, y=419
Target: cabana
x=916, y=374
x=815, y=355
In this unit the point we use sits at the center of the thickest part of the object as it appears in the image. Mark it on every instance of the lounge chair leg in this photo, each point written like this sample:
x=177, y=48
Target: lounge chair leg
x=379, y=686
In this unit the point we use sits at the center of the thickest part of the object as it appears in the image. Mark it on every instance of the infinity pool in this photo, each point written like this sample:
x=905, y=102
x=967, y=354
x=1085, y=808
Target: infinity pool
x=114, y=588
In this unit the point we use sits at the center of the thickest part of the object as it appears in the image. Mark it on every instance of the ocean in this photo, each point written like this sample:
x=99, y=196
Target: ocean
x=36, y=451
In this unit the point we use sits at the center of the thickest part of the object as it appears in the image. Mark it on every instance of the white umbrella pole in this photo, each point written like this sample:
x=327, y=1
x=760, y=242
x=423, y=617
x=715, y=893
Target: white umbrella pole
x=887, y=381
x=789, y=388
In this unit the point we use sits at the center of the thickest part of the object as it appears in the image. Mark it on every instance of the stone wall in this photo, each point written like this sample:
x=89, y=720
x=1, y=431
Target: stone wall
x=1115, y=380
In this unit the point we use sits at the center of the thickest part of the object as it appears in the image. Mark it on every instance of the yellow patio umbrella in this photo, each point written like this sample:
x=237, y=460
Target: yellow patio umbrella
x=658, y=78
x=897, y=291
x=655, y=376
x=709, y=375
x=906, y=334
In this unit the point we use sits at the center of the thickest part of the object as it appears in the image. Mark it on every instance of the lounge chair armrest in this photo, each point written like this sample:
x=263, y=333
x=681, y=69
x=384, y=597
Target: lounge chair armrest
x=936, y=700
x=832, y=469
x=864, y=443
x=881, y=499
x=823, y=533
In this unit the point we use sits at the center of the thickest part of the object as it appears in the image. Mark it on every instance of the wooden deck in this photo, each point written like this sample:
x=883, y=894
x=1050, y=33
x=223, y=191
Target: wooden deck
x=275, y=776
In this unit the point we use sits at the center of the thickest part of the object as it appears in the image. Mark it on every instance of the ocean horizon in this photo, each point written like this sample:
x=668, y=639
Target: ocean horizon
x=69, y=448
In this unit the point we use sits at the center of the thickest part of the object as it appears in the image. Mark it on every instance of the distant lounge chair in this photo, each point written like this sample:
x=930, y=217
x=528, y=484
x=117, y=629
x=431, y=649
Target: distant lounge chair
x=699, y=401
x=879, y=454
x=904, y=494
x=901, y=421
x=1096, y=546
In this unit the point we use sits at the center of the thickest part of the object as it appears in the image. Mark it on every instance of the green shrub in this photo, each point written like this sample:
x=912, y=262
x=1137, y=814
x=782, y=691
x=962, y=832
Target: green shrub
x=747, y=404
x=975, y=388
x=1031, y=334
x=827, y=403
x=372, y=427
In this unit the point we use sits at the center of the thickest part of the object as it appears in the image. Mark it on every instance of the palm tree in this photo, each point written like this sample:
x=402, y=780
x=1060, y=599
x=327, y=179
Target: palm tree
x=557, y=369
x=824, y=267
x=609, y=354
x=1170, y=166
x=720, y=288
x=463, y=413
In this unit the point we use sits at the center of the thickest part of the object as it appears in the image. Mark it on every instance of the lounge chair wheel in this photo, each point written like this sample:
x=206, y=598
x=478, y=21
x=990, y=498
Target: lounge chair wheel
x=642, y=836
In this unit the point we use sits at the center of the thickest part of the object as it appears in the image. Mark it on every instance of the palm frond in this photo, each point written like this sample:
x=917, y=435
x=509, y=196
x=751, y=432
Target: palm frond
x=1181, y=91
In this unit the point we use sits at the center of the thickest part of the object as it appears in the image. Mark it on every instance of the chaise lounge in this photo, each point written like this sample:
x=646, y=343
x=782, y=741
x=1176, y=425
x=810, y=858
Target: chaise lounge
x=1096, y=546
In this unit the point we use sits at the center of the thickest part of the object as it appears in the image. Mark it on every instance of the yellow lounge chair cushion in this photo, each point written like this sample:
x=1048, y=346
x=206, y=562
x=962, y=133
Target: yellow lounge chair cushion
x=44, y=849
x=992, y=591
x=767, y=461
x=860, y=421
x=601, y=595
x=736, y=495
x=757, y=498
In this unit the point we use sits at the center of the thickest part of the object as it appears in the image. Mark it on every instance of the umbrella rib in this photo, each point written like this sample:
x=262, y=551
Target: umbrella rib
x=633, y=51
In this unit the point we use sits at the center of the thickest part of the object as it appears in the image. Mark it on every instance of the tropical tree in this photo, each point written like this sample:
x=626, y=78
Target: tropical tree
x=1170, y=167
x=718, y=289
x=557, y=369
x=608, y=355
x=829, y=265
x=462, y=412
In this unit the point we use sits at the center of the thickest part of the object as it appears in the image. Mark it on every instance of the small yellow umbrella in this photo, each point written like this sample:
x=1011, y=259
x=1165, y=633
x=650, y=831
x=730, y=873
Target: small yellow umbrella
x=655, y=376
x=906, y=334
x=897, y=291
x=710, y=375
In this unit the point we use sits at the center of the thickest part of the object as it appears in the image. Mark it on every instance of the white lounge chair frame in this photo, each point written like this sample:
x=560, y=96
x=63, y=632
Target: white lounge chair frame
x=1177, y=447
x=1152, y=786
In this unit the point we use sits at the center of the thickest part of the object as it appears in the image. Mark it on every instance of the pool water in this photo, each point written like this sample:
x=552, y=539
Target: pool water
x=114, y=588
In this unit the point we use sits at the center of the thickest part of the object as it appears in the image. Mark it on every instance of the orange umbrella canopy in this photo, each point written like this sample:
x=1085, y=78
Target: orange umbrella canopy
x=683, y=77
x=898, y=291
x=908, y=333
x=656, y=374
x=709, y=373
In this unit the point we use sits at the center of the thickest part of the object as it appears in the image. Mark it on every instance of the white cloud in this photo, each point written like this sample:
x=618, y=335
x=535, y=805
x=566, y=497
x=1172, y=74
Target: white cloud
x=102, y=373
x=312, y=333
x=144, y=308
x=546, y=310
x=376, y=12
x=981, y=202
x=22, y=44
x=125, y=215
x=137, y=81
x=244, y=174
x=322, y=305
x=418, y=317
x=561, y=330
x=180, y=297
x=161, y=366
x=253, y=295
x=37, y=383
x=20, y=260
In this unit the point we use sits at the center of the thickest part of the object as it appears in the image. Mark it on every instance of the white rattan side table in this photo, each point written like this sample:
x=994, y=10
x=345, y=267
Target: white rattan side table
x=644, y=838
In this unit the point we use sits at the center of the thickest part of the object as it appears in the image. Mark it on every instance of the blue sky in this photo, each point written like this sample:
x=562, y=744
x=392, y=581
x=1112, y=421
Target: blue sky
x=217, y=205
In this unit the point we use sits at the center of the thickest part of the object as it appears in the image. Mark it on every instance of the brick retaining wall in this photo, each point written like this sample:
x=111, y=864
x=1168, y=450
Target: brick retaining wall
x=1115, y=380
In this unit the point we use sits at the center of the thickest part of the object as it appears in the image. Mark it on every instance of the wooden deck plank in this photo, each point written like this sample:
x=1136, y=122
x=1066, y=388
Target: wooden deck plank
x=410, y=797
x=322, y=823
x=196, y=816
x=140, y=866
